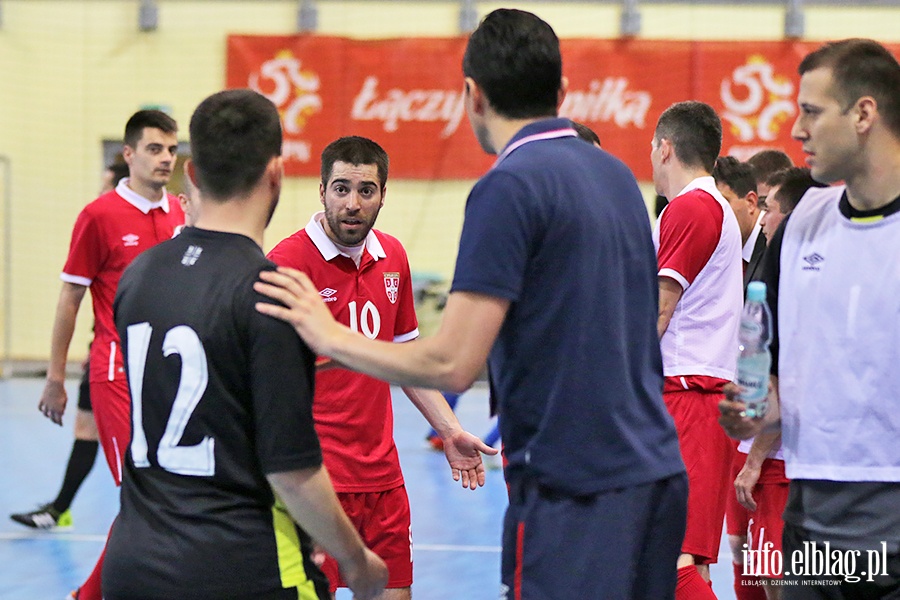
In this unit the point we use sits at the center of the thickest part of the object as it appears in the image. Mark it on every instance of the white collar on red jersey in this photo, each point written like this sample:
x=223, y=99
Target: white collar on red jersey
x=705, y=183
x=138, y=201
x=316, y=232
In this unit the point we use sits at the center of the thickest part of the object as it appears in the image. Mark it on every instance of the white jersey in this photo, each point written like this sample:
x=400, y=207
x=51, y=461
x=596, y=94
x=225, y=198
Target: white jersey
x=839, y=333
x=698, y=244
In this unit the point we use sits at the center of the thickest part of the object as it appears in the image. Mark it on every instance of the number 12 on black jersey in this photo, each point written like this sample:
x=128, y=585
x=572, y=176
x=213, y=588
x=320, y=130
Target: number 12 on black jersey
x=197, y=460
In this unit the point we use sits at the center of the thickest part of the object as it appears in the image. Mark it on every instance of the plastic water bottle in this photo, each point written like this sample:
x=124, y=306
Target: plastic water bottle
x=755, y=360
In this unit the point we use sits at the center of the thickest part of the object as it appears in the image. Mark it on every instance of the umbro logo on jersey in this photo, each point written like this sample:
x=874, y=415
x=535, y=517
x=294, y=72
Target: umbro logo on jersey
x=191, y=255
x=812, y=261
x=131, y=239
x=328, y=295
x=392, y=286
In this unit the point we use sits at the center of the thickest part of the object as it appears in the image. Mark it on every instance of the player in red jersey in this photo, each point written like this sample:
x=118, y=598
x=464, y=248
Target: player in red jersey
x=698, y=245
x=363, y=276
x=108, y=234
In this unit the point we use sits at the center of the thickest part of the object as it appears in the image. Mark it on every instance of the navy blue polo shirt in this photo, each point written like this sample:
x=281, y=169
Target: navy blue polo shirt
x=559, y=228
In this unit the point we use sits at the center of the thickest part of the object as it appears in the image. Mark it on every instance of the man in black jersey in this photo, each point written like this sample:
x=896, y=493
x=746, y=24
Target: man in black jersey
x=224, y=458
x=834, y=289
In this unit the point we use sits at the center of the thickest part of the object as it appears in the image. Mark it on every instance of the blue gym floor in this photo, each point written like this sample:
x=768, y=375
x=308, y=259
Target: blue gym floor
x=456, y=532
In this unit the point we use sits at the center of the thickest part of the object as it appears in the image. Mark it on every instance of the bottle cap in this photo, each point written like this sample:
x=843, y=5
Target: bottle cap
x=756, y=291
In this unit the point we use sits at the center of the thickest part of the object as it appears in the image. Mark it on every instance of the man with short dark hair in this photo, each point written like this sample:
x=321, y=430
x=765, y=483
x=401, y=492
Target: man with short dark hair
x=786, y=187
x=699, y=251
x=834, y=290
x=108, y=234
x=363, y=276
x=564, y=317
x=765, y=163
x=735, y=181
x=737, y=184
x=224, y=458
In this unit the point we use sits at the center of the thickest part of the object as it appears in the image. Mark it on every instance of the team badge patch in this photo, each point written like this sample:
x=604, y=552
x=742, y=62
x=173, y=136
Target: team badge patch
x=392, y=286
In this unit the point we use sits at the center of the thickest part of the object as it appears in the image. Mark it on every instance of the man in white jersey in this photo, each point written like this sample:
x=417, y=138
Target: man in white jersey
x=834, y=285
x=698, y=245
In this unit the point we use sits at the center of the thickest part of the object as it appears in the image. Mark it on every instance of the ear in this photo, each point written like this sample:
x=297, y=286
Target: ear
x=127, y=154
x=190, y=172
x=753, y=200
x=666, y=150
x=561, y=94
x=322, y=193
x=383, y=194
x=476, y=96
x=866, y=113
x=276, y=172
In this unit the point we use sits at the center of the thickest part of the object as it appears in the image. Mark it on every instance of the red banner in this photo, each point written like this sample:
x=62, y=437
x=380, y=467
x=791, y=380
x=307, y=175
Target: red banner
x=407, y=95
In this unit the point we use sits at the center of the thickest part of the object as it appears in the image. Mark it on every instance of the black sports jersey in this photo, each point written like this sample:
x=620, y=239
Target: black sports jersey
x=221, y=396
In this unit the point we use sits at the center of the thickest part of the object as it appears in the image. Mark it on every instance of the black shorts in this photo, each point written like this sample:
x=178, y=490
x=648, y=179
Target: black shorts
x=84, y=389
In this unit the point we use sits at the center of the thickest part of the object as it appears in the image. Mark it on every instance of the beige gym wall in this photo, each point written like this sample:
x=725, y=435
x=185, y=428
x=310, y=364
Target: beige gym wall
x=74, y=71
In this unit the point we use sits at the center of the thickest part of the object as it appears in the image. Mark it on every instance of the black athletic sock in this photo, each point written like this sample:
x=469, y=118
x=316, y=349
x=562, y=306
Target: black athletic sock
x=81, y=460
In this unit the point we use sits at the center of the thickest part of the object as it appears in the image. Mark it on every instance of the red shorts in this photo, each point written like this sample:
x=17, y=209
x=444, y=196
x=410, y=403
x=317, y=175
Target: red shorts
x=707, y=453
x=766, y=523
x=736, y=516
x=383, y=521
x=112, y=412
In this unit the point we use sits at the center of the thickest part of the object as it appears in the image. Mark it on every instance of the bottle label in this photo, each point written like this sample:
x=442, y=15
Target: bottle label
x=753, y=377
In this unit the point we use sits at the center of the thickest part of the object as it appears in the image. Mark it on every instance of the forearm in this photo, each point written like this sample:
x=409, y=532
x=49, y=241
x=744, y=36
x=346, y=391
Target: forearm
x=70, y=298
x=311, y=502
x=419, y=363
x=435, y=409
x=450, y=360
x=670, y=292
x=761, y=447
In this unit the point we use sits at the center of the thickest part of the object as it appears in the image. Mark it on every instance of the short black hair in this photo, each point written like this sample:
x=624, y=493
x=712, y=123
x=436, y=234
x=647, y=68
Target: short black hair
x=355, y=150
x=766, y=162
x=234, y=135
x=735, y=174
x=695, y=132
x=119, y=170
x=514, y=58
x=586, y=133
x=142, y=119
x=861, y=67
x=792, y=184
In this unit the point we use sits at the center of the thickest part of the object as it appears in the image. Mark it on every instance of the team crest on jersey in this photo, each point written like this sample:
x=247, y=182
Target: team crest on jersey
x=392, y=286
x=131, y=239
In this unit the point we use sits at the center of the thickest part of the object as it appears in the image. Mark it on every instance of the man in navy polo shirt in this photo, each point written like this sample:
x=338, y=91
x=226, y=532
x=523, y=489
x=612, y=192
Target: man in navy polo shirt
x=556, y=281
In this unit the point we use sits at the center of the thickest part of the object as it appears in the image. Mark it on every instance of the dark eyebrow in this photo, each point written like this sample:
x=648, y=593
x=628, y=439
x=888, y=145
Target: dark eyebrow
x=347, y=181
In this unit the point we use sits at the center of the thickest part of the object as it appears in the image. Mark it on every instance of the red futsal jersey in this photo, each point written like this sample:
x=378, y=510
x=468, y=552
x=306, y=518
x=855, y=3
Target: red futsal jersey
x=352, y=412
x=109, y=233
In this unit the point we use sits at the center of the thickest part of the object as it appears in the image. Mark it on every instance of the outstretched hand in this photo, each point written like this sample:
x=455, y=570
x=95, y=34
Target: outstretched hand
x=463, y=451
